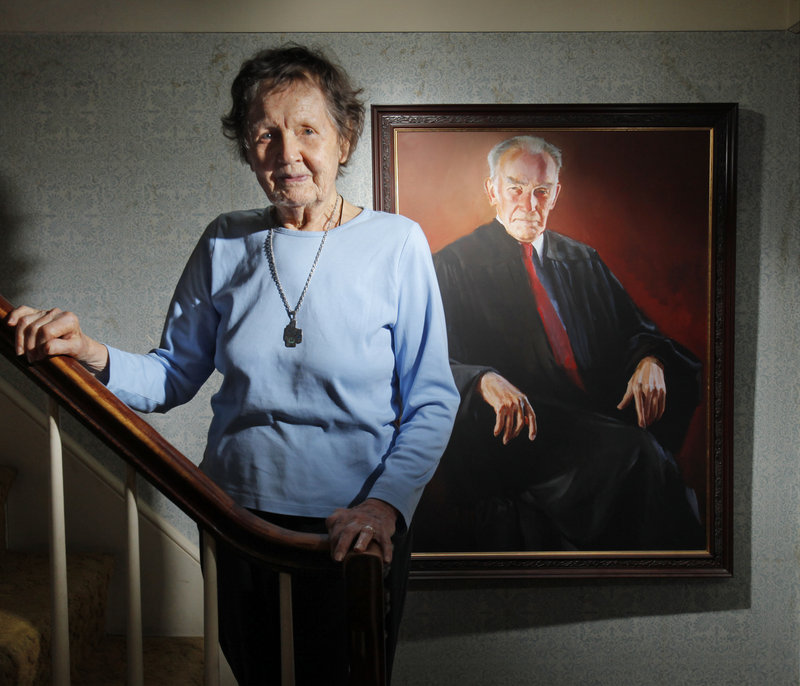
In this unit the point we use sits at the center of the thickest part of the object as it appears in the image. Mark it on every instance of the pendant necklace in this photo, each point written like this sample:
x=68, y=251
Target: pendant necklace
x=292, y=335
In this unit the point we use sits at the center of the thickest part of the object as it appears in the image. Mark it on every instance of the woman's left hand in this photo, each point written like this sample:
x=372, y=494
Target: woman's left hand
x=372, y=520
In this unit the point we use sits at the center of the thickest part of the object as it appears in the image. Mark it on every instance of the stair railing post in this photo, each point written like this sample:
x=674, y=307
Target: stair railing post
x=135, y=670
x=287, y=629
x=59, y=634
x=210, y=612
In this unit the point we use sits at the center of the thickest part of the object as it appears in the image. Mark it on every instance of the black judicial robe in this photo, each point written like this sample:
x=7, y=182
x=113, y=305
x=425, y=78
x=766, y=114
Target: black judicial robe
x=592, y=479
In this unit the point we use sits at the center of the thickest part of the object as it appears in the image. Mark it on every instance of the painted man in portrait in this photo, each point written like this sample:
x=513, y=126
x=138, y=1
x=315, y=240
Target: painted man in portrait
x=573, y=403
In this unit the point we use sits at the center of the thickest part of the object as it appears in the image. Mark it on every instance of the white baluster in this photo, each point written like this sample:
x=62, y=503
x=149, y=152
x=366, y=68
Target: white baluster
x=210, y=615
x=59, y=637
x=134, y=640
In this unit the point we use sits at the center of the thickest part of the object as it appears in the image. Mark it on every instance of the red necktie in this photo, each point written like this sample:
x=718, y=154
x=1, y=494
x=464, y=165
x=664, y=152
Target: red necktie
x=553, y=326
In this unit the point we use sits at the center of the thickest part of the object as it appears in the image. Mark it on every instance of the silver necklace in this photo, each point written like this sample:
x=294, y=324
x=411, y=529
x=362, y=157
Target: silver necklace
x=292, y=335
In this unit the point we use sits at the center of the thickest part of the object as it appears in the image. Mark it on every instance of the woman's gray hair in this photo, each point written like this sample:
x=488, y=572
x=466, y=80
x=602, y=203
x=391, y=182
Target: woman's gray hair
x=276, y=68
x=531, y=144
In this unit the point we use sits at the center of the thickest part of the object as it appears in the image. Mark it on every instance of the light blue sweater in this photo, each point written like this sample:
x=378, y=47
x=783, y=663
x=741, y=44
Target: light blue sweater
x=363, y=407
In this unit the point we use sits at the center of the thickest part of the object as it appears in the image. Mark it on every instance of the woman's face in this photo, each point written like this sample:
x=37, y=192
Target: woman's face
x=294, y=147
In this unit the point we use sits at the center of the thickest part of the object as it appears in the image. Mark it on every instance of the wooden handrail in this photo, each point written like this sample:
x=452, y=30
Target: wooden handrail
x=179, y=479
x=141, y=446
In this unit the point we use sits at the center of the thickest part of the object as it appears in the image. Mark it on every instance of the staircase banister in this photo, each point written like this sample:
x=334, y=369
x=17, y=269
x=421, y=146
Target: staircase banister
x=165, y=466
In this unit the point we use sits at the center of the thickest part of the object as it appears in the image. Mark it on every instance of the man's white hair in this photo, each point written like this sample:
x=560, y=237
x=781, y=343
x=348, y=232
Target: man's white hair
x=531, y=144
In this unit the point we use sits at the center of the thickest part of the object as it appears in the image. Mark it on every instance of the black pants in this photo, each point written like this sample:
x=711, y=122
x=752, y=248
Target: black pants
x=587, y=482
x=249, y=614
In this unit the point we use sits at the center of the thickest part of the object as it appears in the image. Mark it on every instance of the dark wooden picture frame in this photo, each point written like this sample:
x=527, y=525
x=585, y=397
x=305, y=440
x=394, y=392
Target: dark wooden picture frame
x=652, y=188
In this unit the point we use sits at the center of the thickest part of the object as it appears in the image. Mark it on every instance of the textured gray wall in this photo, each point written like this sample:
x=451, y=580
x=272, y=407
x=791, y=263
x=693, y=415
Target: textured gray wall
x=111, y=163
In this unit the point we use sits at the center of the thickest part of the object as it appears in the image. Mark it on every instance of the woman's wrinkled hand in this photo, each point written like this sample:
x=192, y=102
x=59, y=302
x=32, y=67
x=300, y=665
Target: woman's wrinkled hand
x=40, y=334
x=372, y=520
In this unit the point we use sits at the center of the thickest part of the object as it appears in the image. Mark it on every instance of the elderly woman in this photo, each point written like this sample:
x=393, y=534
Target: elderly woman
x=326, y=324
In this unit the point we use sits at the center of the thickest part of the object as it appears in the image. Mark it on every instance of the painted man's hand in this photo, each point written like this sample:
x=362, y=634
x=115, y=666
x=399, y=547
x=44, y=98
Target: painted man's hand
x=511, y=407
x=648, y=389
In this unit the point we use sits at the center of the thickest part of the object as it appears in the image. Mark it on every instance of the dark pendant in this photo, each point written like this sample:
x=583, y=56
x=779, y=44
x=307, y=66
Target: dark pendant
x=292, y=336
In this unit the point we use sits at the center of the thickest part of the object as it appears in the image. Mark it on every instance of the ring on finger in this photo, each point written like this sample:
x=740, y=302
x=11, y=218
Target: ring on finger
x=368, y=527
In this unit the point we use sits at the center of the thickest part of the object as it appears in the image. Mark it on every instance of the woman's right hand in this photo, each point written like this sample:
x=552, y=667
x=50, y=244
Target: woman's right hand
x=44, y=333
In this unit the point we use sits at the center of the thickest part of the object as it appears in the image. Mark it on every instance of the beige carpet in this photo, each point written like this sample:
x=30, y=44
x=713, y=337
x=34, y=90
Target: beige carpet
x=167, y=662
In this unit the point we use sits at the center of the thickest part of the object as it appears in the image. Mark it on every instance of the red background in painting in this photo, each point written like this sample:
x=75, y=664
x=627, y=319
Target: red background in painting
x=640, y=197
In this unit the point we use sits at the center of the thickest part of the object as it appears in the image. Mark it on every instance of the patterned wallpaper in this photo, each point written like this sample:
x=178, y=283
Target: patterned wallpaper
x=111, y=164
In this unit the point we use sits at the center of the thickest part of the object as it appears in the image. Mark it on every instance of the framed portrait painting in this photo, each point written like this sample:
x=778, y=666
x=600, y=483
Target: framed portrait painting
x=585, y=258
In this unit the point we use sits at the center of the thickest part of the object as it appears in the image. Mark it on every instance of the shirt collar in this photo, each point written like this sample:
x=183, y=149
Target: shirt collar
x=538, y=244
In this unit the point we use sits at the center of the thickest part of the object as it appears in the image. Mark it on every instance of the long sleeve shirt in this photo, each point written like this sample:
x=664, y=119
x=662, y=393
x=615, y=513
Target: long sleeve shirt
x=362, y=407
